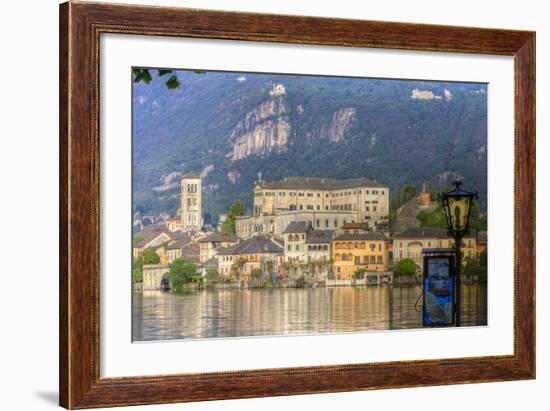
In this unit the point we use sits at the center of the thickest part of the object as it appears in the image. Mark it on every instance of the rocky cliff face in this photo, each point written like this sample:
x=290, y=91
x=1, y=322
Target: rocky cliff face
x=336, y=128
x=341, y=120
x=263, y=130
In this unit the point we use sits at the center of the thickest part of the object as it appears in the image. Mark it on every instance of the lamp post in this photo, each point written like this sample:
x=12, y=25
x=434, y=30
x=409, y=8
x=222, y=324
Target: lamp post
x=457, y=205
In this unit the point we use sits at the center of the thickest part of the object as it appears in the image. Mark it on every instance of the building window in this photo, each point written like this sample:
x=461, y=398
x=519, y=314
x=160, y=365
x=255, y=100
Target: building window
x=318, y=224
x=357, y=260
x=373, y=259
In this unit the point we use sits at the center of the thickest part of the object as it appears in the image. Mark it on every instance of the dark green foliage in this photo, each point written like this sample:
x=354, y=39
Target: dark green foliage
x=483, y=258
x=406, y=266
x=173, y=82
x=409, y=192
x=212, y=275
x=256, y=273
x=474, y=270
x=435, y=218
x=236, y=210
x=181, y=272
x=137, y=269
x=359, y=274
x=150, y=257
x=144, y=75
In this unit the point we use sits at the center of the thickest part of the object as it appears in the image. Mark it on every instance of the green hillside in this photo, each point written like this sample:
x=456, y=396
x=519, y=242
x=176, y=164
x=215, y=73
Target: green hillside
x=321, y=126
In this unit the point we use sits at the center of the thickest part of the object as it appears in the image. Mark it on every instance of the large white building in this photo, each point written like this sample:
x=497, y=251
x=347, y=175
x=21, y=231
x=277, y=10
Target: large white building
x=191, y=207
x=325, y=203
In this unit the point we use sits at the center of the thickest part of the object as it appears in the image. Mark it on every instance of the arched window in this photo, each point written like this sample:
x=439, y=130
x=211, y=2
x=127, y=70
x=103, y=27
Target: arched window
x=350, y=257
x=337, y=257
x=344, y=257
x=350, y=245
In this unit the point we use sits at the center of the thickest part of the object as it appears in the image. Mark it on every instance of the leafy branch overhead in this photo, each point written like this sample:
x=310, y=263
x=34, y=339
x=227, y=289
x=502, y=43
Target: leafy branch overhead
x=145, y=76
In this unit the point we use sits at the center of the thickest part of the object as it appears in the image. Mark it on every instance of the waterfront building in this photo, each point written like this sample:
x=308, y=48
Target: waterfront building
x=295, y=241
x=257, y=252
x=210, y=244
x=191, y=202
x=306, y=251
x=409, y=243
x=323, y=202
x=318, y=245
x=350, y=252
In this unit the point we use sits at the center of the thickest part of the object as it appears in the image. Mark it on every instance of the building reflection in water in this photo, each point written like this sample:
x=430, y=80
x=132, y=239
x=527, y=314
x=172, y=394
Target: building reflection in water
x=256, y=312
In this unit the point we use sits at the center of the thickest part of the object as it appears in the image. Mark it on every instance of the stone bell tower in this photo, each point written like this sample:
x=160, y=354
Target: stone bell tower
x=191, y=207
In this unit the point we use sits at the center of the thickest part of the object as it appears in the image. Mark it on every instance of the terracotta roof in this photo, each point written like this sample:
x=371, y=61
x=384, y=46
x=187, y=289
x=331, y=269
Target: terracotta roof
x=256, y=244
x=316, y=183
x=361, y=236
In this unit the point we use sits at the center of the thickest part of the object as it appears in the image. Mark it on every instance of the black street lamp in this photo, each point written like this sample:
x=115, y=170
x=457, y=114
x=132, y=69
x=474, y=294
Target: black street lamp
x=457, y=205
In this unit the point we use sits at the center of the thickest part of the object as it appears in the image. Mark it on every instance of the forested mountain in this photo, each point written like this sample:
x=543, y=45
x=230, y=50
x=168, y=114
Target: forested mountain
x=228, y=127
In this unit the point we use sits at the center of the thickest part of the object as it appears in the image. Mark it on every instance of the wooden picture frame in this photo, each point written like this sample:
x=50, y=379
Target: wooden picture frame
x=80, y=27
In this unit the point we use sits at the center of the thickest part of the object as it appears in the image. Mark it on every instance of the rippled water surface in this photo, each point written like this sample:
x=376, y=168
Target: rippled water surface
x=282, y=311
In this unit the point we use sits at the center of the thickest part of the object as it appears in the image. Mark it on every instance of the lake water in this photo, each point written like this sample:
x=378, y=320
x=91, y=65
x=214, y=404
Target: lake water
x=284, y=311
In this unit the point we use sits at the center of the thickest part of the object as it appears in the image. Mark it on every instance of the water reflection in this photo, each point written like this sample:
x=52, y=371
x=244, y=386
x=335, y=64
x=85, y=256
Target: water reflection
x=236, y=313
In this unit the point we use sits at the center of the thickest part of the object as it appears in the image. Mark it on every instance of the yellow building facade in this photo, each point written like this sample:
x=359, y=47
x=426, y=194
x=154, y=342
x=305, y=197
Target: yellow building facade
x=350, y=252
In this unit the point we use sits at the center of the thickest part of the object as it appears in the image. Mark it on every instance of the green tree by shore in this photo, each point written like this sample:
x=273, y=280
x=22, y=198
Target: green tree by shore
x=406, y=267
x=181, y=273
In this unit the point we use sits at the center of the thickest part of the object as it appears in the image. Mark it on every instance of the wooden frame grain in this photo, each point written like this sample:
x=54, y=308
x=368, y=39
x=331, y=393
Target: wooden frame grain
x=80, y=27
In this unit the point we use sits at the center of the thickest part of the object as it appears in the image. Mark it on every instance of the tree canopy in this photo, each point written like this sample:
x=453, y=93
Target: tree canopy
x=406, y=266
x=150, y=257
x=180, y=273
x=236, y=210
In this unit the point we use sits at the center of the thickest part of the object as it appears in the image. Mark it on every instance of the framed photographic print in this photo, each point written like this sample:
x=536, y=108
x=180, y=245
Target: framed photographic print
x=259, y=205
